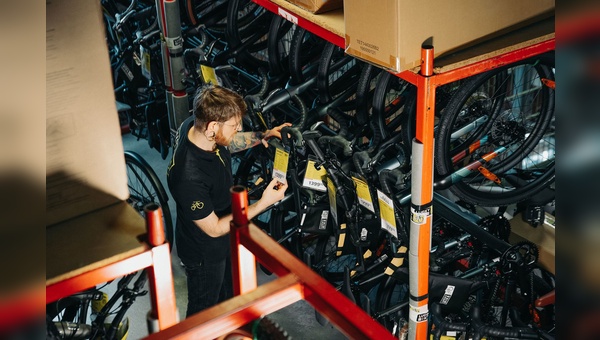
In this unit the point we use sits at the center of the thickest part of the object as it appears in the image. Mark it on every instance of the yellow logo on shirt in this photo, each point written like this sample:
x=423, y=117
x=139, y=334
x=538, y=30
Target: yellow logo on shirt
x=197, y=205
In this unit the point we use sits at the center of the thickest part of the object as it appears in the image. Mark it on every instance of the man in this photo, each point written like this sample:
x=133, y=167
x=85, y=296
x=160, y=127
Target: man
x=199, y=178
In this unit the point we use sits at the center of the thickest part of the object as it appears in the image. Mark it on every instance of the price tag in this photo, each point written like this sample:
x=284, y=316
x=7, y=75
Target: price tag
x=363, y=193
x=209, y=75
x=280, y=165
x=332, y=200
x=386, y=211
x=313, y=178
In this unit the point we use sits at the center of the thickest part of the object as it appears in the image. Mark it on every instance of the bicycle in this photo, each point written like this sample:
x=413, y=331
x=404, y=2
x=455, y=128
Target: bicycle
x=144, y=188
x=91, y=314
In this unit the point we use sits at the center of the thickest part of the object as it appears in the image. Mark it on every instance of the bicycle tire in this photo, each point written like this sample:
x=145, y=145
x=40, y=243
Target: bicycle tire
x=364, y=92
x=394, y=104
x=337, y=72
x=248, y=27
x=280, y=36
x=391, y=292
x=364, y=106
x=209, y=13
x=145, y=187
x=519, y=110
x=329, y=263
x=305, y=50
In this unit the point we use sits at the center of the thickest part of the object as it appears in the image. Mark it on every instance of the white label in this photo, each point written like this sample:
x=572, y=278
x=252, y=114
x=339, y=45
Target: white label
x=173, y=43
x=420, y=216
x=287, y=15
x=323, y=222
x=386, y=212
x=447, y=295
x=418, y=314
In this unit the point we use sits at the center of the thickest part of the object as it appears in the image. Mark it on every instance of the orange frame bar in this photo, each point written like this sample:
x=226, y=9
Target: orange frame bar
x=296, y=282
x=157, y=262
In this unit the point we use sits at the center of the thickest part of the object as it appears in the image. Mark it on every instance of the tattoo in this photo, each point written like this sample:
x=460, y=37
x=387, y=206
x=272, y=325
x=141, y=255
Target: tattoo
x=245, y=140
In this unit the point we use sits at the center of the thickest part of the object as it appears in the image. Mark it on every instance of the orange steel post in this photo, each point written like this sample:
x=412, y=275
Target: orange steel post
x=421, y=200
x=243, y=263
x=163, y=312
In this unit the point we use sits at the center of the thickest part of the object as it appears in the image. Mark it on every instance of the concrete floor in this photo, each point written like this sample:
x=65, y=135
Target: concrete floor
x=297, y=319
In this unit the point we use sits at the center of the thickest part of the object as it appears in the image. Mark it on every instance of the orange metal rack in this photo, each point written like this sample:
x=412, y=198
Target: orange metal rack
x=426, y=81
x=296, y=281
x=154, y=256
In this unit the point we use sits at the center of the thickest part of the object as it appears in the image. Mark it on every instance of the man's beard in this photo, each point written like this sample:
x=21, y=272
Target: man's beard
x=221, y=140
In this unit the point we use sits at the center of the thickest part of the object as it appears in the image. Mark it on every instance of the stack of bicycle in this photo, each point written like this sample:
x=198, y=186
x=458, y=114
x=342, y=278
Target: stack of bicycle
x=347, y=160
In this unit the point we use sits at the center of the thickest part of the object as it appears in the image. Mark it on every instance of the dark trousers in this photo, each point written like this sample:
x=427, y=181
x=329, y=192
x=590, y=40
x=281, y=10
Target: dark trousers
x=208, y=283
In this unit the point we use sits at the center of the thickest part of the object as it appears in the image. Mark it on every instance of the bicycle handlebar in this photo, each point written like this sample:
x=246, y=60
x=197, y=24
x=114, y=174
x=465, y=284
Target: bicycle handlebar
x=295, y=133
x=340, y=141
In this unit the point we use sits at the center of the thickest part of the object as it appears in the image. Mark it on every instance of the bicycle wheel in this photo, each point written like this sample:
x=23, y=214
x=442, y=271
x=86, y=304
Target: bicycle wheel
x=507, y=113
x=279, y=44
x=364, y=104
x=394, y=104
x=247, y=33
x=392, y=304
x=212, y=14
x=145, y=187
x=337, y=72
x=305, y=50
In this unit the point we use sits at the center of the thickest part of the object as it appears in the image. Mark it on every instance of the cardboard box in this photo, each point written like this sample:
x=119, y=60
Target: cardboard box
x=390, y=33
x=318, y=6
x=85, y=165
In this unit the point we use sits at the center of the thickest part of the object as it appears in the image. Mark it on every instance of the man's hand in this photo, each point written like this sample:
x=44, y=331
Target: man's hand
x=275, y=132
x=274, y=192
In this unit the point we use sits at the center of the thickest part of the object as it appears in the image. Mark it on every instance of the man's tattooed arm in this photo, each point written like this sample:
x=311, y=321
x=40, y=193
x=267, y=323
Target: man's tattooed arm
x=245, y=140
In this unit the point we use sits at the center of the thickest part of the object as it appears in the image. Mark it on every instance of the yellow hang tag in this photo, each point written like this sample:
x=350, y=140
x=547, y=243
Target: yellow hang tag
x=280, y=165
x=313, y=178
x=209, y=75
x=363, y=193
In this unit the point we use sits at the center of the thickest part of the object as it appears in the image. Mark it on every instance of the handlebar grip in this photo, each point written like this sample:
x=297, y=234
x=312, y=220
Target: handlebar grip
x=294, y=132
x=339, y=141
x=284, y=135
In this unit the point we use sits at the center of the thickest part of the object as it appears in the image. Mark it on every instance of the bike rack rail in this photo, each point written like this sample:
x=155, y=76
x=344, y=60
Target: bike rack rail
x=296, y=282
